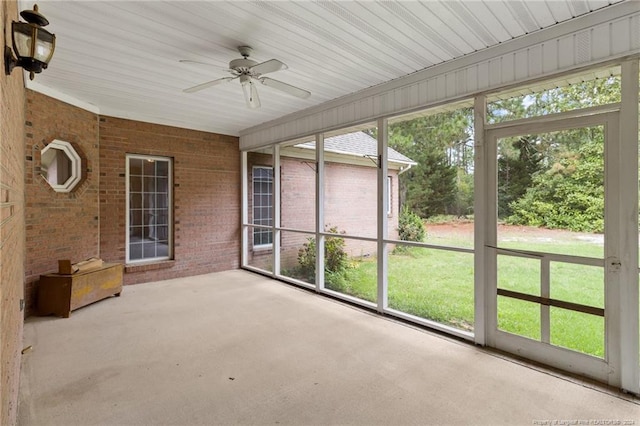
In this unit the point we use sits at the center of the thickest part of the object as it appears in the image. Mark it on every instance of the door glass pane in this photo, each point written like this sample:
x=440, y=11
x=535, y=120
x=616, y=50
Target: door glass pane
x=551, y=192
x=577, y=331
x=519, y=274
x=519, y=317
x=580, y=284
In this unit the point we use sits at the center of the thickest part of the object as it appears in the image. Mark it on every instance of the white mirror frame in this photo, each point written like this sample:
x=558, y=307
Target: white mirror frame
x=76, y=162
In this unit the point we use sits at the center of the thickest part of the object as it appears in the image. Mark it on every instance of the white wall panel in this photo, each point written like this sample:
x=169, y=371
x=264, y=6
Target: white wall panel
x=423, y=90
x=621, y=35
x=461, y=80
x=495, y=74
x=565, y=52
x=601, y=36
x=521, y=61
x=635, y=32
x=508, y=68
x=583, y=47
x=483, y=75
x=550, y=56
x=440, y=93
x=600, y=45
x=535, y=60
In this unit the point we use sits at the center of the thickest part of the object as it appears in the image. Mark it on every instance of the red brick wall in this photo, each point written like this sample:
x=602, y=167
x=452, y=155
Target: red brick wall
x=206, y=177
x=12, y=245
x=350, y=205
x=59, y=225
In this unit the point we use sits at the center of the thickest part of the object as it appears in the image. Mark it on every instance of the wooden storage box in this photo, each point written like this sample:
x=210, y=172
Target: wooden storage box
x=59, y=294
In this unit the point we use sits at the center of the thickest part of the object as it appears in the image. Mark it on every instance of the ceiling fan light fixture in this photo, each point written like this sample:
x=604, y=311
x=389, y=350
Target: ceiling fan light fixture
x=250, y=91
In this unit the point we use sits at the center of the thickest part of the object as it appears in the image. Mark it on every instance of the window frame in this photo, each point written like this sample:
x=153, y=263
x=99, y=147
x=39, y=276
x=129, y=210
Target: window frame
x=268, y=246
x=389, y=196
x=170, y=207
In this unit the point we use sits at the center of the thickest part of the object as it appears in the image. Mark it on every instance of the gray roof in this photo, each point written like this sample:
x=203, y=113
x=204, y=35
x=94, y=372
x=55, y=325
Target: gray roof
x=359, y=144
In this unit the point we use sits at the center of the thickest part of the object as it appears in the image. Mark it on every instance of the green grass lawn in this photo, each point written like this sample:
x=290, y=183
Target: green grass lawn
x=438, y=285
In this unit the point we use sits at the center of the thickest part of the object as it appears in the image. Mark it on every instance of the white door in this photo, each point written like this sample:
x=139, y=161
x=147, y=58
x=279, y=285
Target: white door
x=552, y=293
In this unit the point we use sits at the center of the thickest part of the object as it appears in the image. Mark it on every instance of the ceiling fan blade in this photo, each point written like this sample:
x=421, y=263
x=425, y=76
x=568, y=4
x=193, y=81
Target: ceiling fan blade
x=190, y=62
x=251, y=93
x=208, y=84
x=279, y=85
x=269, y=66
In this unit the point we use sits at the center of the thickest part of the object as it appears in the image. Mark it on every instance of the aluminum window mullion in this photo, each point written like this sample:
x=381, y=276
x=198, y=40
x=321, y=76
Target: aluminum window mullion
x=275, y=208
x=482, y=281
x=244, y=182
x=319, y=211
x=383, y=197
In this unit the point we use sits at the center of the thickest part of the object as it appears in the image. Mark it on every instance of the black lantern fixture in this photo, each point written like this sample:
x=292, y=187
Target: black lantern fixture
x=32, y=44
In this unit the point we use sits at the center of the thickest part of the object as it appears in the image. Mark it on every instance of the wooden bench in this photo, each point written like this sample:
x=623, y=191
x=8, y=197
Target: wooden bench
x=59, y=294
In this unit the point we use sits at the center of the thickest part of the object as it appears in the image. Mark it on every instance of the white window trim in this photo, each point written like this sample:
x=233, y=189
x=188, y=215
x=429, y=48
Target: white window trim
x=389, y=197
x=260, y=247
x=128, y=215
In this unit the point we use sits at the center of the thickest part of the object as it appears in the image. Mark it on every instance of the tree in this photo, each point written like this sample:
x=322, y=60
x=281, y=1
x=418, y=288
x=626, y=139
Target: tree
x=556, y=178
x=568, y=195
x=440, y=145
x=516, y=168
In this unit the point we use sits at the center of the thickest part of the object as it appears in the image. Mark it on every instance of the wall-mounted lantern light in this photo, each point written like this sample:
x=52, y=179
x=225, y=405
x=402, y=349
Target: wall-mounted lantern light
x=33, y=45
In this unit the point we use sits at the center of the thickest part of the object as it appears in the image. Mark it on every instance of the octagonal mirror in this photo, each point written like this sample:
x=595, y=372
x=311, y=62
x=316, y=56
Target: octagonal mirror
x=60, y=165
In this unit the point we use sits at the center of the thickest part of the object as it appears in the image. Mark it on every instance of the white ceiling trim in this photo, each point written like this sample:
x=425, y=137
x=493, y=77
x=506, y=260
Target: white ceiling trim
x=601, y=36
x=56, y=94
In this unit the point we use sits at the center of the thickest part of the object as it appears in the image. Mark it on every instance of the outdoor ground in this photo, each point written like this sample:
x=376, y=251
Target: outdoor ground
x=464, y=230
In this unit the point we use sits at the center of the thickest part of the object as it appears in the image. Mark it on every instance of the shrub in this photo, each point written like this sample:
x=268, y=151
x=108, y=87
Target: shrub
x=335, y=257
x=410, y=226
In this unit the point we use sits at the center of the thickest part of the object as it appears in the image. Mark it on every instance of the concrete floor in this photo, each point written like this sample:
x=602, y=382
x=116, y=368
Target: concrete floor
x=238, y=348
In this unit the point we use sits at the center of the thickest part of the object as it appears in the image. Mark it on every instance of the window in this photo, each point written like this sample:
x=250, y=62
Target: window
x=262, y=206
x=149, y=208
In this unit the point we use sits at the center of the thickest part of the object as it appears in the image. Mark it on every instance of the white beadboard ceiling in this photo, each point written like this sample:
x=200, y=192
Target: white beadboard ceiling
x=122, y=56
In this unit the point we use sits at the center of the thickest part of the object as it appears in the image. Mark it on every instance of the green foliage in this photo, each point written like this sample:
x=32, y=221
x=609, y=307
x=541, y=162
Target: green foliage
x=554, y=179
x=442, y=146
x=569, y=195
x=581, y=95
x=464, y=195
x=518, y=161
x=410, y=226
x=447, y=295
x=335, y=257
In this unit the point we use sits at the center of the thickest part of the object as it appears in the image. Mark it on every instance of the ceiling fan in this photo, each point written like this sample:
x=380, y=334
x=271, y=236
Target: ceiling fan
x=249, y=72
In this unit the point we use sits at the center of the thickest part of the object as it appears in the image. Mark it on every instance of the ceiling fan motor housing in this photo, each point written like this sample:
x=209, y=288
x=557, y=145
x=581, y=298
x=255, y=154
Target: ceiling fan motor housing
x=242, y=66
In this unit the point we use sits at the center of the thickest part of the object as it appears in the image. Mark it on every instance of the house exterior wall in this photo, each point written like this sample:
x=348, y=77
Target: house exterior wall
x=12, y=228
x=206, y=197
x=59, y=225
x=90, y=220
x=350, y=205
